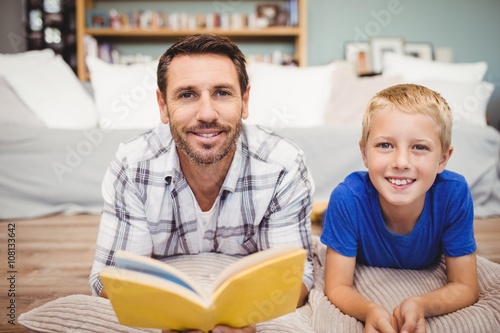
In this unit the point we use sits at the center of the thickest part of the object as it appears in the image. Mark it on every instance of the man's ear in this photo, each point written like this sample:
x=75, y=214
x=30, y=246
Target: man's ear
x=162, y=105
x=444, y=159
x=245, y=98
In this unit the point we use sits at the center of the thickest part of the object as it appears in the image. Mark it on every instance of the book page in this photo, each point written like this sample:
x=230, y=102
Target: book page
x=263, y=291
x=147, y=265
x=252, y=260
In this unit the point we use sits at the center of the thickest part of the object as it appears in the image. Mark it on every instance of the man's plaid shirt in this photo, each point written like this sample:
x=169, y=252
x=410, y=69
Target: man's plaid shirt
x=149, y=209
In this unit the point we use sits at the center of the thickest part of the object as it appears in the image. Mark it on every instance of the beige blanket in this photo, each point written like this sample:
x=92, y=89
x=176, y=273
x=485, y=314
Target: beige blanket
x=81, y=313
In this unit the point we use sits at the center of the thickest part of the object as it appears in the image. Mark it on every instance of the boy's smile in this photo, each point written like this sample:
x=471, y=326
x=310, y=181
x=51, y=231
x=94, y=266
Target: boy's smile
x=400, y=182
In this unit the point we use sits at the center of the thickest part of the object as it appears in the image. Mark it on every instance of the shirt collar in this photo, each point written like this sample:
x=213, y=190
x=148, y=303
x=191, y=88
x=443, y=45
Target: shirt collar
x=234, y=171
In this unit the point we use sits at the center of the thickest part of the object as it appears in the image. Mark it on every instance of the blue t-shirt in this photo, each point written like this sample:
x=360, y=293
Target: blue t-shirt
x=354, y=225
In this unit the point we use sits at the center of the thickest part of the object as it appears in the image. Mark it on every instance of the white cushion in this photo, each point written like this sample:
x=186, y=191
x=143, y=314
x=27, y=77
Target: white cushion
x=13, y=111
x=468, y=101
x=350, y=95
x=13, y=62
x=54, y=94
x=125, y=95
x=413, y=69
x=282, y=96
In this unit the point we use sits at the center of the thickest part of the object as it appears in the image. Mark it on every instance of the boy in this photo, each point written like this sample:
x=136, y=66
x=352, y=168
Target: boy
x=405, y=212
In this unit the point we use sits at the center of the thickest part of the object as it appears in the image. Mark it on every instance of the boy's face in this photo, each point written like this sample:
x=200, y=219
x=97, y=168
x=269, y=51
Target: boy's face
x=403, y=156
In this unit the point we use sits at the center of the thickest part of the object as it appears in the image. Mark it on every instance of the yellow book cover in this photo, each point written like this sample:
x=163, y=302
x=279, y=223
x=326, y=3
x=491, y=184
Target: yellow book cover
x=146, y=292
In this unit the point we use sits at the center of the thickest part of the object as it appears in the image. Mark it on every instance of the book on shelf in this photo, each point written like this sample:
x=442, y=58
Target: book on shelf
x=294, y=13
x=149, y=293
x=109, y=53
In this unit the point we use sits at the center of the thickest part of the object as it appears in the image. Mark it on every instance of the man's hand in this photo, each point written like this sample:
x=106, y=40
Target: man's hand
x=227, y=329
x=221, y=329
x=410, y=316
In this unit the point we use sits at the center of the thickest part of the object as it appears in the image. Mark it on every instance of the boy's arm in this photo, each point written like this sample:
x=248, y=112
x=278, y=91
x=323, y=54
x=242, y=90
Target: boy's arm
x=339, y=288
x=461, y=291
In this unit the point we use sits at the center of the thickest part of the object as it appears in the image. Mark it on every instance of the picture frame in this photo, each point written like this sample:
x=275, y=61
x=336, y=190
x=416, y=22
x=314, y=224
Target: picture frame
x=422, y=50
x=269, y=12
x=382, y=45
x=357, y=56
x=282, y=18
x=97, y=18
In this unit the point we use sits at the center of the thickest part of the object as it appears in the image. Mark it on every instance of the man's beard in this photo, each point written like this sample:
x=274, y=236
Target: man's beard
x=204, y=155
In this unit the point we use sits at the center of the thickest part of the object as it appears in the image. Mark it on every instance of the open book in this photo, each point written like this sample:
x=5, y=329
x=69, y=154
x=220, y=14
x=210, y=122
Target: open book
x=145, y=292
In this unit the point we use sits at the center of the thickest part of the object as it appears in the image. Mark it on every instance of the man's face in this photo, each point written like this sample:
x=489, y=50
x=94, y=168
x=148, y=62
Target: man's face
x=204, y=106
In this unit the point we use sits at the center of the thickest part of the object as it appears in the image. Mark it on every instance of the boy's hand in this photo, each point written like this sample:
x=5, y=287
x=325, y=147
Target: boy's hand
x=410, y=316
x=380, y=320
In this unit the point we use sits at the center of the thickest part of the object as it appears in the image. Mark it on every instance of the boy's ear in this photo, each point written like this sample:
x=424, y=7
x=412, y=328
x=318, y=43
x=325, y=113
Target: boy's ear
x=162, y=105
x=363, y=153
x=444, y=159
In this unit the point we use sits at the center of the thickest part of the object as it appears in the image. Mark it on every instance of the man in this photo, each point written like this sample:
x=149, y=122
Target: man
x=206, y=182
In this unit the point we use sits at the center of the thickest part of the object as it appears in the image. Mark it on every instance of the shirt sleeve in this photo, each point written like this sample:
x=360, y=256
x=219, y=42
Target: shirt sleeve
x=339, y=227
x=458, y=236
x=289, y=218
x=123, y=223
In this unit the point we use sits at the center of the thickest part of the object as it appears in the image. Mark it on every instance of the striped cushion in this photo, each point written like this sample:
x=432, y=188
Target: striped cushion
x=388, y=287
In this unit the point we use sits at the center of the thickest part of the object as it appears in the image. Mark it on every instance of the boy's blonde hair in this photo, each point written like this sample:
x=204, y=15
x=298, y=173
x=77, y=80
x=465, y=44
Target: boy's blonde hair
x=411, y=99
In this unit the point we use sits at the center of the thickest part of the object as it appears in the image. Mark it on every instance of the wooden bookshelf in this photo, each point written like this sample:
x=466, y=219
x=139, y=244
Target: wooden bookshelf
x=295, y=34
x=271, y=31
